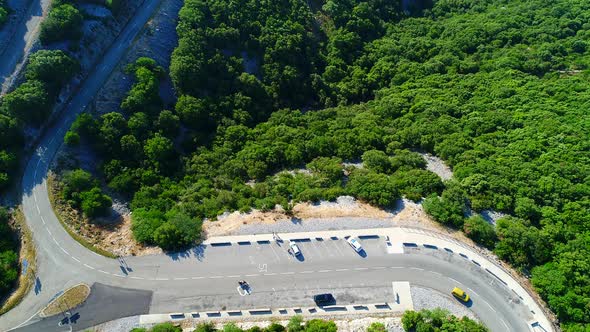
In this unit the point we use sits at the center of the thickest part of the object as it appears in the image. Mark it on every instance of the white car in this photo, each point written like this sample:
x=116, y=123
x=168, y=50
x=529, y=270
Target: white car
x=355, y=244
x=295, y=249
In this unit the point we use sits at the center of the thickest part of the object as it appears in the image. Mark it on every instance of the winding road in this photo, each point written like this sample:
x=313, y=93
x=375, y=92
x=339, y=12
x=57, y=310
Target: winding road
x=204, y=278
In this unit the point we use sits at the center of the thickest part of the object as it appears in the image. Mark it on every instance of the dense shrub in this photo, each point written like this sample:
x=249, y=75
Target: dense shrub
x=64, y=21
x=8, y=255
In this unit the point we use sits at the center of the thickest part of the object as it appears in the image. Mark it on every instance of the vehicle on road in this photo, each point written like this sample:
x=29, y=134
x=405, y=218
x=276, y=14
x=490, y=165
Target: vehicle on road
x=460, y=294
x=355, y=244
x=324, y=299
x=294, y=249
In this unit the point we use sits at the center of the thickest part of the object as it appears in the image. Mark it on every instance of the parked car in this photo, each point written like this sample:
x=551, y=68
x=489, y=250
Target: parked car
x=324, y=299
x=295, y=248
x=355, y=244
x=460, y=294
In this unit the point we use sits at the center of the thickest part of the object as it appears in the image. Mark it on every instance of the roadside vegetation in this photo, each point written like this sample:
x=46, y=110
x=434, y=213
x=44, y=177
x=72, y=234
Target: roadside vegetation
x=4, y=12
x=9, y=263
x=498, y=90
x=437, y=320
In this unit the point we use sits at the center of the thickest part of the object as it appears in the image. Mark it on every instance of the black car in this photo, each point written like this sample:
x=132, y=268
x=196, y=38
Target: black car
x=324, y=299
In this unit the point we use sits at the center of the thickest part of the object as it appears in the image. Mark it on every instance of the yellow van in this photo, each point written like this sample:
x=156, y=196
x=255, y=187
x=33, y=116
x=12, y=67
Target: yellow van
x=460, y=294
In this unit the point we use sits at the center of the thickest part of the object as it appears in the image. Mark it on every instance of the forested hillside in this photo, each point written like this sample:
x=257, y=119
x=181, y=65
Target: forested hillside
x=498, y=89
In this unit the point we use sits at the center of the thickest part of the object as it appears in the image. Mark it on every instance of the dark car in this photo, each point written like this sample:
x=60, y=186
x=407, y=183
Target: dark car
x=324, y=299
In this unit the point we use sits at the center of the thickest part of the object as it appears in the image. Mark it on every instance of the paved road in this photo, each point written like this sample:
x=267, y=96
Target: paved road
x=205, y=277
x=21, y=41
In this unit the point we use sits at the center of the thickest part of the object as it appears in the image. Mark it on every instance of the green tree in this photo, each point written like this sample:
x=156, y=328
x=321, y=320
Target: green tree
x=94, y=203
x=480, y=231
x=205, y=327
x=71, y=138
x=53, y=67
x=318, y=325
x=295, y=324
x=63, y=22
x=166, y=327
x=376, y=327
x=30, y=102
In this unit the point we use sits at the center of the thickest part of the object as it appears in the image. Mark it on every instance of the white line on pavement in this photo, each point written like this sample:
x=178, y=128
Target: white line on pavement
x=324, y=271
x=252, y=275
x=43, y=220
x=341, y=270
x=138, y=278
x=454, y=280
x=88, y=266
x=216, y=277
x=270, y=274
x=74, y=258
x=304, y=272
x=38, y=210
x=180, y=278
x=360, y=268
x=196, y=278
x=416, y=268
x=62, y=249
x=286, y=273
x=234, y=276
x=101, y=271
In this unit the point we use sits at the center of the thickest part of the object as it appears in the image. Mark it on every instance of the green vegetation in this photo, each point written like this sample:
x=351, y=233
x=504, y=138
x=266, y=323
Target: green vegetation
x=438, y=320
x=496, y=89
x=82, y=191
x=30, y=104
x=8, y=255
x=4, y=12
x=64, y=22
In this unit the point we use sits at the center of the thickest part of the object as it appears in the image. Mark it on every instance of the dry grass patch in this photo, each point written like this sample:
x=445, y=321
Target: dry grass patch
x=70, y=299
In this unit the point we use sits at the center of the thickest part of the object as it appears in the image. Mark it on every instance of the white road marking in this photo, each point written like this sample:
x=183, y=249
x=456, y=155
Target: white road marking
x=43, y=220
x=101, y=271
x=379, y=267
x=324, y=271
x=472, y=291
x=74, y=258
x=252, y=275
x=216, y=277
x=286, y=273
x=438, y=274
x=62, y=249
x=196, y=278
x=180, y=278
x=160, y=279
x=360, y=268
x=341, y=270
x=119, y=275
x=138, y=278
x=454, y=280
x=235, y=276
x=305, y=272
x=416, y=268
x=503, y=322
x=88, y=266
x=396, y=267
x=35, y=197
x=270, y=274
x=275, y=253
x=38, y=210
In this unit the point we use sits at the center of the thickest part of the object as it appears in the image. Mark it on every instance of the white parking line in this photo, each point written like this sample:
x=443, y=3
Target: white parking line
x=361, y=268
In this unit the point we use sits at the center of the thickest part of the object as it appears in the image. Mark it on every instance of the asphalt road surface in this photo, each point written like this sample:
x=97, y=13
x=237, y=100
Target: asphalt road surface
x=22, y=40
x=205, y=278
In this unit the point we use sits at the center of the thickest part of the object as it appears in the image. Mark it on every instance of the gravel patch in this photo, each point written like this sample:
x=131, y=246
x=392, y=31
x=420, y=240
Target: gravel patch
x=313, y=225
x=426, y=298
x=437, y=166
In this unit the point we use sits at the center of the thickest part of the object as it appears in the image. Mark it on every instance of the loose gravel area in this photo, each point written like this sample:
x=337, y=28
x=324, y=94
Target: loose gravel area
x=437, y=166
x=313, y=225
x=426, y=298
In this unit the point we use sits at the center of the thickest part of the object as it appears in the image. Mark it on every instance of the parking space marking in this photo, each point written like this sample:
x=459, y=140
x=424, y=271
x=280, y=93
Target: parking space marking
x=275, y=252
